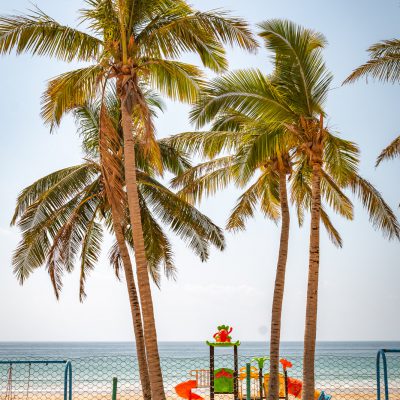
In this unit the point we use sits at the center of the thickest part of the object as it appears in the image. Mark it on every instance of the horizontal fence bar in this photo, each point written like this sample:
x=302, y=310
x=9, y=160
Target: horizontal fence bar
x=33, y=361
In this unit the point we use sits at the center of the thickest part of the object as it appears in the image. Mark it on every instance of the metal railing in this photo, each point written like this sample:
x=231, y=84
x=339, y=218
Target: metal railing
x=382, y=356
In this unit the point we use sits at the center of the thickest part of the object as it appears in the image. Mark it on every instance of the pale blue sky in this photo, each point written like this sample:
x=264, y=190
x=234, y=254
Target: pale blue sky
x=359, y=296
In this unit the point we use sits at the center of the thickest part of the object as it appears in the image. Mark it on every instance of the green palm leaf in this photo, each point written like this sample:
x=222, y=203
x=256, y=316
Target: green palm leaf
x=68, y=91
x=380, y=214
x=39, y=34
x=177, y=80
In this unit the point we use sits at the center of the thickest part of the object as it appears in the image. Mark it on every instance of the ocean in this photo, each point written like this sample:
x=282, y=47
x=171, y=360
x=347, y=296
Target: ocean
x=342, y=368
x=179, y=350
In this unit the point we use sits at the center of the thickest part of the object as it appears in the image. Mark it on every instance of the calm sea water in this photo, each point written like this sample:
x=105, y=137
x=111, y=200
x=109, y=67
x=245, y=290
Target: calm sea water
x=64, y=350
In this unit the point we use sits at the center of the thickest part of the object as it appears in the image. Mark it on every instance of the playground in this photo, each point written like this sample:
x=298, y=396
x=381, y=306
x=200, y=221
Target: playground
x=245, y=382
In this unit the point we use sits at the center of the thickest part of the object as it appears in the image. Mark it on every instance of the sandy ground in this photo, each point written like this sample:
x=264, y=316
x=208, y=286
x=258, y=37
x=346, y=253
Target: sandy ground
x=350, y=395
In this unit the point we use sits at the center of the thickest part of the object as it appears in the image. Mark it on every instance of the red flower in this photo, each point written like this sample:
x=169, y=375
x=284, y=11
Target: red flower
x=286, y=364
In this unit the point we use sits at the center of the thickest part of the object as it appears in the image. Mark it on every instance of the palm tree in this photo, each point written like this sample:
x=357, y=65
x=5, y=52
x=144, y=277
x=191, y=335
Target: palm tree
x=383, y=65
x=291, y=100
x=136, y=43
x=249, y=138
x=72, y=206
x=303, y=76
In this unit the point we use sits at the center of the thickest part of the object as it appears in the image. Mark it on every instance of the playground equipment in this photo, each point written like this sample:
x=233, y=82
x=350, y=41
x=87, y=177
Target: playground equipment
x=65, y=375
x=252, y=388
x=218, y=381
x=250, y=383
x=382, y=355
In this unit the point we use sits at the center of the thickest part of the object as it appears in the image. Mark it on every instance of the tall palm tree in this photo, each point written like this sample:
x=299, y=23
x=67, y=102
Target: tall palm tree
x=72, y=206
x=304, y=78
x=134, y=42
x=384, y=64
x=292, y=100
x=248, y=138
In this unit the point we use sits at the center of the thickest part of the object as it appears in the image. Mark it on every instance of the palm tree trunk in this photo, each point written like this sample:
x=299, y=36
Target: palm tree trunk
x=150, y=334
x=135, y=306
x=310, y=333
x=273, y=385
x=113, y=181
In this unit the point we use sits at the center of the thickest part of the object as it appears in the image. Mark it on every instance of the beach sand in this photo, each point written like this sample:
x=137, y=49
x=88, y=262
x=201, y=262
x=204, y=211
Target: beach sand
x=88, y=395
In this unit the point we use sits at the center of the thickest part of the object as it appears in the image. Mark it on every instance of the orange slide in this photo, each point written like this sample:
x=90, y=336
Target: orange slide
x=184, y=390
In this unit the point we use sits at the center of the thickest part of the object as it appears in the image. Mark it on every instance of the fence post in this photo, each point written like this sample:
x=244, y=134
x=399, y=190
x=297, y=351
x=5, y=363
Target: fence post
x=248, y=382
x=382, y=353
x=114, y=388
x=68, y=381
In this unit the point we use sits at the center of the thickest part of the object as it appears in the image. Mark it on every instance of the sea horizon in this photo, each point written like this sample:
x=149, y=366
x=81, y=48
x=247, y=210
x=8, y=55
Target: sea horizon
x=181, y=349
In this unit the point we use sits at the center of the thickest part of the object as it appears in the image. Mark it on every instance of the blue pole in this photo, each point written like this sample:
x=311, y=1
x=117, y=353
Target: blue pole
x=378, y=375
x=70, y=380
x=33, y=362
x=385, y=376
x=382, y=353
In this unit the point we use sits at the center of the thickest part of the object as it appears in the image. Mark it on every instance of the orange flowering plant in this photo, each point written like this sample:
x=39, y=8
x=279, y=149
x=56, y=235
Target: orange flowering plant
x=285, y=363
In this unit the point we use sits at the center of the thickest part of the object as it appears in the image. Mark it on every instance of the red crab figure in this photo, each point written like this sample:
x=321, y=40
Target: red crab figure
x=222, y=336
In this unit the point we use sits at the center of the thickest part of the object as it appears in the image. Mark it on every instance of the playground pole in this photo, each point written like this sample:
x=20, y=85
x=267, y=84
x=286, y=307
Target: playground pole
x=235, y=373
x=211, y=372
x=286, y=384
x=248, y=382
x=114, y=388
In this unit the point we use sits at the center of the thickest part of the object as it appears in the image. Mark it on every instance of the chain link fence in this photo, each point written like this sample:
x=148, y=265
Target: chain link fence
x=342, y=377
x=35, y=380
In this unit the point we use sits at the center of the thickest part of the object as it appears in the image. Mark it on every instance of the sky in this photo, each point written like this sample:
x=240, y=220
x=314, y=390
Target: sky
x=359, y=284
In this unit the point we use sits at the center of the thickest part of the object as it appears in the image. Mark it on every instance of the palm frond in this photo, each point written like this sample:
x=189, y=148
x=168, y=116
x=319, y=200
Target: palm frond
x=299, y=65
x=158, y=247
x=341, y=158
x=177, y=80
x=69, y=91
x=102, y=18
x=380, y=214
x=39, y=34
x=258, y=193
x=249, y=92
x=384, y=63
x=114, y=257
x=87, y=121
x=175, y=31
x=174, y=160
x=335, y=197
x=181, y=217
x=91, y=247
x=333, y=234
x=206, y=144
x=53, y=190
x=257, y=149
x=179, y=28
x=389, y=152
x=204, y=179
